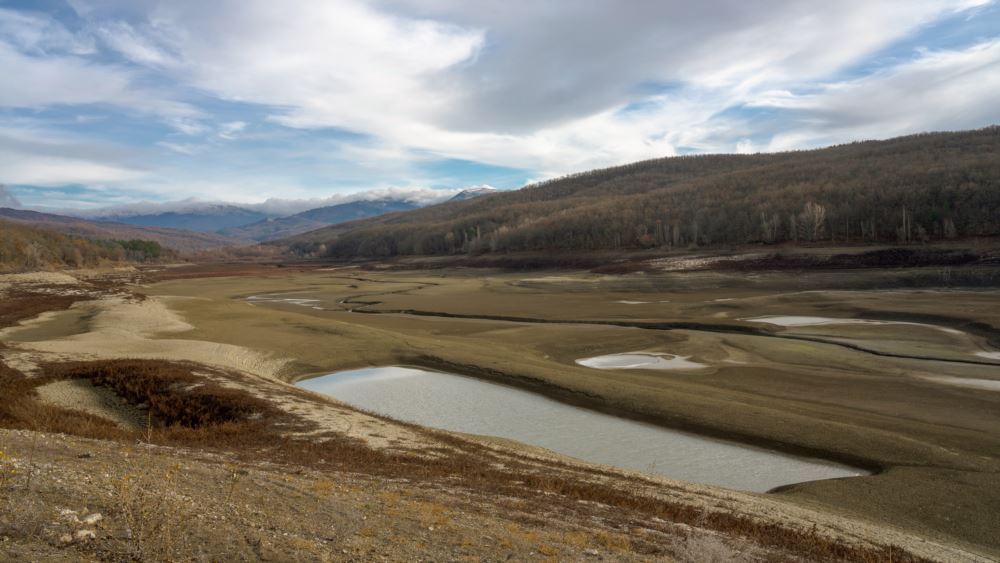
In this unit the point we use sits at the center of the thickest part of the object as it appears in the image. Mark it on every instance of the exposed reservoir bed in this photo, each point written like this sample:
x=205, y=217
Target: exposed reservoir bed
x=463, y=404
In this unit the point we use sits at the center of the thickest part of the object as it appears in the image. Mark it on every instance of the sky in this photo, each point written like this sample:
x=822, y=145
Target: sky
x=111, y=102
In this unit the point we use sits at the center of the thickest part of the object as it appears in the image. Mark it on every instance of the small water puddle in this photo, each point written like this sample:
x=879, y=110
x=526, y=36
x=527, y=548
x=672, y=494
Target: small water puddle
x=640, y=360
x=463, y=404
x=301, y=302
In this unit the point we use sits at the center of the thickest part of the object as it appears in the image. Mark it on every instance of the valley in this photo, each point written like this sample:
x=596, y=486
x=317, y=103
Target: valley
x=890, y=372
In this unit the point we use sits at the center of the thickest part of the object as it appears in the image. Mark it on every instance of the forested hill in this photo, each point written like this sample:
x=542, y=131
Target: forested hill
x=26, y=248
x=909, y=189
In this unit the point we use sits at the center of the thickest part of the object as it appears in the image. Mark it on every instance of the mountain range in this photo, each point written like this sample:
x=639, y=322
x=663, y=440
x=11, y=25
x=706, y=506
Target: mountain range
x=281, y=227
x=176, y=239
x=272, y=219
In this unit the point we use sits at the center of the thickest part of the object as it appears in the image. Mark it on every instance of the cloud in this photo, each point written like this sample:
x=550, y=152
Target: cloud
x=39, y=34
x=187, y=126
x=45, y=158
x=310, y=96
x=138, y=47
x=46, y=64
x=939, y=90
x=539, y=86
x=232, y=129
x=182, y=148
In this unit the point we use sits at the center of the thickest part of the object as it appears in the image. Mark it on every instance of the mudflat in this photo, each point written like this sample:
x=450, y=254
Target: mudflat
x=877, y=378
x=873, y=394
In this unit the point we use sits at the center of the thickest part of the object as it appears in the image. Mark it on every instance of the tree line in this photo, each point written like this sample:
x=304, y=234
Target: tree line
x=908, y=190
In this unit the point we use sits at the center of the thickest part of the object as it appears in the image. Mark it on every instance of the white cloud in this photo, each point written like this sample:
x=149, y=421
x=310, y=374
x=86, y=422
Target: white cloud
x=549, y=87
x=53, y=80
x=182, y=148
x=232, y=129
x=537, y=86
x=46, y=158
x=939, y=90
x=135, y=46
x=39, y=34
x=187, y=126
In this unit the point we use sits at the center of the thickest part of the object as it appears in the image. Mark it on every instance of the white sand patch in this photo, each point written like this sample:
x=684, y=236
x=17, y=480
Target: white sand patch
x=123, y=328
x=628, y=302
x=80, y=395
x=975, y=383
x=697, y=262
x=989, y=355
x=8, y=281
x=640, y=360
x=302, y=302
x=54, y=278
x=799, y=321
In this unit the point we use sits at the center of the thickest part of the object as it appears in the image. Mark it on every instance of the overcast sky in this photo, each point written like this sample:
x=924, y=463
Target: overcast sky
x=116, y=101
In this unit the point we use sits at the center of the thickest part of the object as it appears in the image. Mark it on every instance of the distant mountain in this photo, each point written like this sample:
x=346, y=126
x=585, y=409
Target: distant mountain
x=470, y=193
x=910, y=189
x=180, y=240
x=270, y=229
x=207, y=218
x=7, y=199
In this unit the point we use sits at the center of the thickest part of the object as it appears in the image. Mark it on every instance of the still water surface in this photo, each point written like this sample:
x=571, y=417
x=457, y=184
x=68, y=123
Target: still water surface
x=463, y=404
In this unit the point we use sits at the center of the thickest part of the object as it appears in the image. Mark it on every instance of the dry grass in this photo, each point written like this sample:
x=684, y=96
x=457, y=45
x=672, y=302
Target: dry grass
x=171, y=392
x=188, y=411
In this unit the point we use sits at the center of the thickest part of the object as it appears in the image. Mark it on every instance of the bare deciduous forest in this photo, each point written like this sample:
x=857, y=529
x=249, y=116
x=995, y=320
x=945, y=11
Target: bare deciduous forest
x=911, y=189
x=24, y=248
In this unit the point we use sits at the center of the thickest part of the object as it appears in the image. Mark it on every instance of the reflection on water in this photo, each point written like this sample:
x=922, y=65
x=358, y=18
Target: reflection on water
x=463, y=404
x=640, y=360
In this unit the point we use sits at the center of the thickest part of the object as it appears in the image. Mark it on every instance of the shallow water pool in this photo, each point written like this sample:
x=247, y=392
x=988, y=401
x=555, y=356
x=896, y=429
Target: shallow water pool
x=463, y=404
x=640, y=360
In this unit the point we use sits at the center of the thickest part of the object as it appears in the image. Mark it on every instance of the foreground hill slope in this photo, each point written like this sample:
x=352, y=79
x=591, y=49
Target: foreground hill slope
x=177, y=239
x=909, y=189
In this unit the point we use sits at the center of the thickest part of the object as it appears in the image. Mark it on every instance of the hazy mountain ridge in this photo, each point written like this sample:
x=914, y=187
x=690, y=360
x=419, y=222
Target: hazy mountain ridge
x=7, y=199
x=908, y=189
x=196, y=213
x=209, y=219
x=270, y=229
x=177, y=239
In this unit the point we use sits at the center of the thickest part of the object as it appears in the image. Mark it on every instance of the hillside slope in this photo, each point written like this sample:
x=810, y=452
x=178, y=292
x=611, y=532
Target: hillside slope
x=25, y=248
x=909, y=189
x=270, y=229
x=177, y=239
